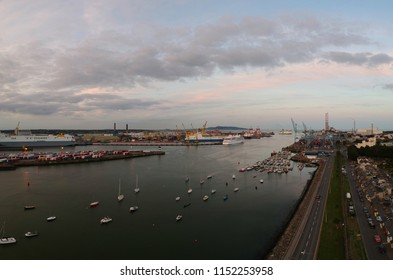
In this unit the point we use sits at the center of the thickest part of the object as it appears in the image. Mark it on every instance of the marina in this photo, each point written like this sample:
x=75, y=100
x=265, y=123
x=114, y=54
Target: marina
x=148, y=216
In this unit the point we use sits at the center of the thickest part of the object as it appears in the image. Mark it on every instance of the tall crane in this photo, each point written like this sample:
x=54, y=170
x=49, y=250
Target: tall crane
x=294, y=125
x=196, y=134
x=204, y=128
x=187, y=139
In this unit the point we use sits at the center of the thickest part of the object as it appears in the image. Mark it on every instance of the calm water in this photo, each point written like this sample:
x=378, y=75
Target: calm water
x=242, y=227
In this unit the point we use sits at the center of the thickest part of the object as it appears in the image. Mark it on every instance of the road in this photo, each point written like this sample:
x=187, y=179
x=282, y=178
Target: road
x=307, y=244
x=366, y=232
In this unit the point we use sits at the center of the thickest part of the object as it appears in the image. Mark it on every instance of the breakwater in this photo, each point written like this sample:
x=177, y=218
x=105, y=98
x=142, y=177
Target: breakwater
x=44, y=159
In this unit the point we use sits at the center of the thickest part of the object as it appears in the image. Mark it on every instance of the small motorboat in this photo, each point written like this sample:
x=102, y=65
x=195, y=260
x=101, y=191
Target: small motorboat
x=133, y=208
x=186, y=205
x=29, y=207
x=205, y=198
x=201, y=182
x=236, y=189
x=178, y=218
x=94, y=204
x=209, y=176
x=31, y=233
x=225, y=197
x=233, y=176
x=214, y=191
x=51, y=218
x=189, y=191
x=261, y=181
x=105, y=220
x=177, y=198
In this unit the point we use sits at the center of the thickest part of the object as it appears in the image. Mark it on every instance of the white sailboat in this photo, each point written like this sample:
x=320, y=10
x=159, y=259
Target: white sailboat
x=136, y=190
x=120, y=196
x=5, y=240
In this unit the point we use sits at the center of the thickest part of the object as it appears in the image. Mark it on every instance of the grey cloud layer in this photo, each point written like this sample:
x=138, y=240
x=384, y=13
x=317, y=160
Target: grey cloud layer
x=119, y=60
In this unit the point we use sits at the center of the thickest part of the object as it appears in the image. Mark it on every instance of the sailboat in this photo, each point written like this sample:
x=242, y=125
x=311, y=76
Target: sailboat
x=6, y=240
x=120, y=196
x=136, y=190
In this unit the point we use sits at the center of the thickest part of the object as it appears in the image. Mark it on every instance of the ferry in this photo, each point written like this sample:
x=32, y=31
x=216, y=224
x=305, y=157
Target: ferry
x=25, y=139
x=233, y=139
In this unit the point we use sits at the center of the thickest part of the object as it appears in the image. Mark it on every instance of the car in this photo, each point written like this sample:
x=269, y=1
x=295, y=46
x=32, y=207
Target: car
x=382, y=249
x=365, y=210
x=377, y=238
x=379, y=219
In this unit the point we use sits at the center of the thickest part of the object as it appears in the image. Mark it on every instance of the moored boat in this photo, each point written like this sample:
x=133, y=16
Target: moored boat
x=94, y=204
x=51, y=218
x=31, y=233
x=6, y=240
x=178, y=218
x=105, y=220
x=133, y=208
x=29, y=207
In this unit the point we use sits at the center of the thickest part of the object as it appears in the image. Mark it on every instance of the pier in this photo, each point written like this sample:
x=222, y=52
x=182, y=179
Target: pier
x=46, y=159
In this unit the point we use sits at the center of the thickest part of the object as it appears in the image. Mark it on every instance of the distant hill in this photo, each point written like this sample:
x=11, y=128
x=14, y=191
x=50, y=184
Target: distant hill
x=226, y=128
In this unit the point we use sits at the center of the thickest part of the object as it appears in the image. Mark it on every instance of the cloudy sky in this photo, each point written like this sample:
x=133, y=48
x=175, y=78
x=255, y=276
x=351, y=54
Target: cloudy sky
x=158, y=64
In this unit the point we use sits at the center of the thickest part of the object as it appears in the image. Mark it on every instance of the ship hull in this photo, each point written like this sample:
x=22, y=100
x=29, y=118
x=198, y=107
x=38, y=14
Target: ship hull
x=36, y=144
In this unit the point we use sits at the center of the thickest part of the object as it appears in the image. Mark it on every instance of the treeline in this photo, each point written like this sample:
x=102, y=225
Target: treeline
x=377, y=151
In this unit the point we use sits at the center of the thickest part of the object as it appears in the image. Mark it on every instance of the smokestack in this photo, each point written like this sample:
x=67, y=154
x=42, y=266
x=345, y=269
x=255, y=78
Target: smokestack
x=114, y=126
x=326, y=122
x=127, y=128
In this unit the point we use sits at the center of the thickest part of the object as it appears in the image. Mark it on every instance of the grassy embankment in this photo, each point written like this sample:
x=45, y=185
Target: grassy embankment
x=333, y=245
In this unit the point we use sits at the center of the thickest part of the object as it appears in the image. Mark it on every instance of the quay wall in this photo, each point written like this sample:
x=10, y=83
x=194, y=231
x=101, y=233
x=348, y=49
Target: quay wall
x=34, y=162
x=287, y=239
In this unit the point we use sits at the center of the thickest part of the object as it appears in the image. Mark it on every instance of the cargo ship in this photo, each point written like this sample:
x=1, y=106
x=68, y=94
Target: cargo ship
x=25, y=139
x=200, y=138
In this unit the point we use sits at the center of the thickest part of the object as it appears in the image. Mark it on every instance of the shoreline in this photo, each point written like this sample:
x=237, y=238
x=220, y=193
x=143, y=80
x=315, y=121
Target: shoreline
x=287, y=240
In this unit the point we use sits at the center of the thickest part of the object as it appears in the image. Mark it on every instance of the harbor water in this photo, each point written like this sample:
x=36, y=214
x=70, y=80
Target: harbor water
x=244, y=226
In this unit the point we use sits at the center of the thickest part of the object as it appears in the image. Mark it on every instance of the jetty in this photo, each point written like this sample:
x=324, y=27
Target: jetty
x=14, y=161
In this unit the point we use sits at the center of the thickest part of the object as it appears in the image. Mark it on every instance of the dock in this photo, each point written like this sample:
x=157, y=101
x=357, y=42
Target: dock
x=66, y=158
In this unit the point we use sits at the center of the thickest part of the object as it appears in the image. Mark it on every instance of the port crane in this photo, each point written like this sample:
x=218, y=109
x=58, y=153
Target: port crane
x=294, y=125
x=187, y=138
x=196, y=134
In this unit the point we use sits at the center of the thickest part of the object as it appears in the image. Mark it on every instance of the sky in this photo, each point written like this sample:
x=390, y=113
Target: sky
x=160, y=64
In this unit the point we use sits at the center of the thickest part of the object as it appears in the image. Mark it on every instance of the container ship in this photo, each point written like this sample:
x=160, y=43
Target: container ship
x=25, y=139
